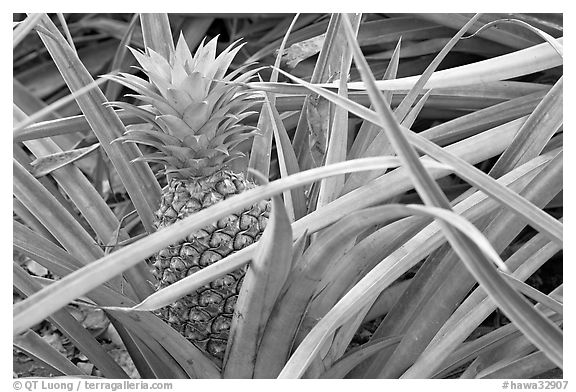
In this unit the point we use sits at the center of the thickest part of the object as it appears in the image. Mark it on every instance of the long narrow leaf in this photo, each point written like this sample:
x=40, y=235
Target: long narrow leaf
x=165, y=342
x=534, y=216
x=336, y=150
x=261, y=286
x=546, y=336
x=43, y=251
x=341, y=312
x=262, y=142
x=169, y=345
x=510, y=349
x=295, y=199
x=408, y=101
x=54, y=217
x=37, y=347
x=485, y=145
x=137, y=178
x=472, y=123
x=93, y=208
x=352, y=265
x=49, y=109
x=368, y=131
x=545, y=36
x=377, y=278
x=76, y=284
x=529, y=366
x=535, y=294
x=24, y=27
x=523, y=62
x=345, y=364
x=455, y=20
x=113, y=89
x=535, y=133
x=301, y=140
x=455, y=282
x=478, y=347
x=157, y=34
x=477, y=306
x=68, y=325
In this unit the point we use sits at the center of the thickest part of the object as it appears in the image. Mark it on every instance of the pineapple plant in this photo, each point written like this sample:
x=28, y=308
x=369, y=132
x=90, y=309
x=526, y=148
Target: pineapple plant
x=431, y=327
x=194, y=122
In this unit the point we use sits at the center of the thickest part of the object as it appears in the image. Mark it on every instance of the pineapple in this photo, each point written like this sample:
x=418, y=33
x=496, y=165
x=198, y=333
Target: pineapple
x=193, y=120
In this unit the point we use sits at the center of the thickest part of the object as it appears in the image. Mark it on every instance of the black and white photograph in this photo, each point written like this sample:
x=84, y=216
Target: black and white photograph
x=273, y=195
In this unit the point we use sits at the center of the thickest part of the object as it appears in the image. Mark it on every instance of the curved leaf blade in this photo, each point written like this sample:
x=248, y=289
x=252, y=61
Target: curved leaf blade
x=262, y=283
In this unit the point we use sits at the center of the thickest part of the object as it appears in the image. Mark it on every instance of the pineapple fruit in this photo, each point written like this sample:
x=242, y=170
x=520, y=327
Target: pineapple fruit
x=193, y=121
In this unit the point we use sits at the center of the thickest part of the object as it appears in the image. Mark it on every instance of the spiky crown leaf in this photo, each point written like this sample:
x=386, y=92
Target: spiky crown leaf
x=195, y=112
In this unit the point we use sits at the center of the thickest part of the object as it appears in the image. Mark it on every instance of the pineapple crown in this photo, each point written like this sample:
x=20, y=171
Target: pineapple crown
x=194, y=112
